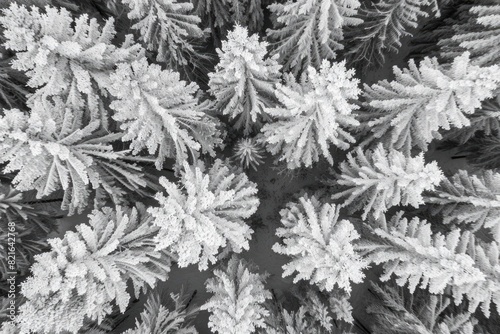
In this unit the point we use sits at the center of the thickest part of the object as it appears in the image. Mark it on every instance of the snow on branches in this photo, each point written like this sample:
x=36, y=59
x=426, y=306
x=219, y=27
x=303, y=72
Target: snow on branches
x=378, y=179
x=167, y=27
x=320, y=245
x=409, y=250
x=204, y=213
x=384, y=24
x=159, y=319
x=480, y=35
x=411, y=110
x=159, y=112
x=469, y=199
x=308, y=31
x=51, y=154
x=237, y=304
x=243, y=82
x=65, y=57
x=314, y=114
x=86, y=272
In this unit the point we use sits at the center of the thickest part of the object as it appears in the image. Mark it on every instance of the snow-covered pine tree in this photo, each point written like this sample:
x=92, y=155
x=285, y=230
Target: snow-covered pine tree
x=484, y=121
x=248, y=152
x=220, y=15
x=472, y=199
x=398, y=312
x=51, y=154
x=385, y=23
x=237, y=304
x=159, y=112
x=158, y=318
x=410, y=251
x=243, y=82
x=67, y=57
x=379, y=179
x=320, y=245
x=204, y=213
x=479, y=34
x=411, y=110
x=168, y=28
x=314, y=114
x=308, y=31
x=86, y=272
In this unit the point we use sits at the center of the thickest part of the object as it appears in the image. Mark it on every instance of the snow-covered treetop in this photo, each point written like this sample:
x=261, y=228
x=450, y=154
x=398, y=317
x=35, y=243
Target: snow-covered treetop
x=309, y=31
x=86, y=272
x=56, y=153
x=204, y=213
x=65, y=56
x=166, y=27
x=159, y=112
x=314, y=114
x=378, y=179
x=411, y=110
x=237, y=304
x=243, y=81
x=320, y=245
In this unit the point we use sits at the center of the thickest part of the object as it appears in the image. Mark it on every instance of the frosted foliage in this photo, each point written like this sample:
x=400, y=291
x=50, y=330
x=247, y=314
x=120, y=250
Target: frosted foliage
x=159, y=319
x=65, y=57
x=385, y=24
x=308, y=31
x=86, y=273
x=321, y=246
x=51, y=154
x=484, y=42
x=248, y=152
x=409, y=250
x=166, y=27
x=471, y=199
x=314, y=114
x=243, y=81
x=204, y=213
x=379, y=179
x=236, y=306
x=411, y=110
x=159, y=112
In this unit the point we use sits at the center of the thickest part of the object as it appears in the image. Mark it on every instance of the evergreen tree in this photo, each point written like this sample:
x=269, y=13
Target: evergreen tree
x=469, y=199
x=67, y=57
x=484, y=121
x=248, y=152
x=220, y=15
x=87, y=271
x=482, y=152
x=411, y=110
x=236, y=306
x=60, y=153
x=159, y=319
x=204, y=213
x=312, y=115
x=479, y=34
x=320, y=245
x=454, y=261
x=397, y=312
x=308, y=31
x=160, y=113
x=379, y=179
x=168, y=29
x=385, y=23
x=243, y=82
